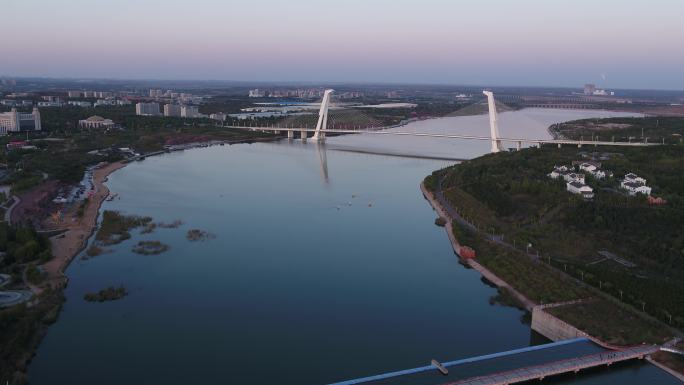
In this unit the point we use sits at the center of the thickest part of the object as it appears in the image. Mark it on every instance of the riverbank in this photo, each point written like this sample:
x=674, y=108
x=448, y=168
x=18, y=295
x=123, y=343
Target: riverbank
x=527, y=303
x=66, y=246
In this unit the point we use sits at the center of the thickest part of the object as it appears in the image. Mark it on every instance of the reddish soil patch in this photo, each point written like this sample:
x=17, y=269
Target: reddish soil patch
x=34, y=203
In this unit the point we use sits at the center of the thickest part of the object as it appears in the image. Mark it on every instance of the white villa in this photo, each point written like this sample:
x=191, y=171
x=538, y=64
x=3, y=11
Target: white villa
x=588, y=167
x=635, y=188
x=633, y=178
x=635, y=185
x=574, y=177
x=580, y=189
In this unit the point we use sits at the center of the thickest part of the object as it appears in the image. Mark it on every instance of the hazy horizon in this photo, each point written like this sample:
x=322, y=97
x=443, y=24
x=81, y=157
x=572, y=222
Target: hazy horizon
x=614, y=44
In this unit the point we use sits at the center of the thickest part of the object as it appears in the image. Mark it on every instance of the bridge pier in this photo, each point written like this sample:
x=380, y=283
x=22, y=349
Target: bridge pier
x=519, y=145
x=290, y=134
x=559, y=145
x=303, y=135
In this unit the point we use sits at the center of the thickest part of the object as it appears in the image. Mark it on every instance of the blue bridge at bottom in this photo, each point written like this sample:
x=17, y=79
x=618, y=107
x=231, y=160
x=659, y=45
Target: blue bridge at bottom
x=518, y=365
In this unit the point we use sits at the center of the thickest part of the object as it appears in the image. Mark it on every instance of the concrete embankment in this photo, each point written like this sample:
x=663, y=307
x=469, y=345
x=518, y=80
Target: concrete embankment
x=553, y=327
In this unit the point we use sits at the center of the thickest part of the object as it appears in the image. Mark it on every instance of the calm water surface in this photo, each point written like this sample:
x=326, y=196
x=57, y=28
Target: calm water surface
x=326, y=266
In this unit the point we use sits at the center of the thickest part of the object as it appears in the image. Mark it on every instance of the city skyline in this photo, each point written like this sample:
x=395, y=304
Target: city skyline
x=613, y=44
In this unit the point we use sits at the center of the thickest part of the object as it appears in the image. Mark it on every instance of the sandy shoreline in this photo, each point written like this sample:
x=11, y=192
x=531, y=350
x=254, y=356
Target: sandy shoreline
x=65, y=248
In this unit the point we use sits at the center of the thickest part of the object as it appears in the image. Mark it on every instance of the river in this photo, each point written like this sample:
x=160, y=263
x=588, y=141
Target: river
x=326, y=265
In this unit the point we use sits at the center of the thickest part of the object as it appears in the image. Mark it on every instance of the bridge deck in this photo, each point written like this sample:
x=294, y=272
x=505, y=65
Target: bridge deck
x=559, y=367
x=509, y=367
x=485, y=364
x=453, y=136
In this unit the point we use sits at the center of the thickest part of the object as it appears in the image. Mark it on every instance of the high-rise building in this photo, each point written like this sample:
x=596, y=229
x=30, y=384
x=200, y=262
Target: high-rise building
x=156, y=93
x=256, y=93
x=103, y=94
x=189, y=111
x=74, y=94
x=147, y=109
x=172, y=110
x=14, y=121
x=218, y=116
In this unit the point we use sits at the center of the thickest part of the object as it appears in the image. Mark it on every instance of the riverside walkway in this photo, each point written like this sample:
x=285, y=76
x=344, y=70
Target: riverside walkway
x=513, y=366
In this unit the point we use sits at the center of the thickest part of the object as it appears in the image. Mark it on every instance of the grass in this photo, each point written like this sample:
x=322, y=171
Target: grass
x=611, y=323
x=534, y=279
x=109, y=294
x=94, y=250
x=171, y=225
x=199, y=235
x=150, y=248
x=115, y=227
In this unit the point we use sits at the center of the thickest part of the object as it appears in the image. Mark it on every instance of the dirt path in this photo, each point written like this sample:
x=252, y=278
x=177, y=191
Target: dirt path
x=65, y=247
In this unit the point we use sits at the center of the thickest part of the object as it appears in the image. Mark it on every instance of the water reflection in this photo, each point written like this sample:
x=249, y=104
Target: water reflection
x=323, y=159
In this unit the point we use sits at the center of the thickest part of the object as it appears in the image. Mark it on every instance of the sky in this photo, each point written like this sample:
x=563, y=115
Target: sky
x=615, y=44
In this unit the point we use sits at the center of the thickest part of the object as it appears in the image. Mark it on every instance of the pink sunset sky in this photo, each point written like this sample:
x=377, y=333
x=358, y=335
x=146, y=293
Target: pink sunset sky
x=618, y=44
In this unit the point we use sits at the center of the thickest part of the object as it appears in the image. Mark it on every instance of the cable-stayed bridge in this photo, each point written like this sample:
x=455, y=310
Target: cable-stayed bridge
x=323, y=127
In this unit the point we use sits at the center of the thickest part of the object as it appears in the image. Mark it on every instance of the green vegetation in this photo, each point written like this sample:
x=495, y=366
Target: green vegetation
x=172, y=225
x=480, y=108
x=34, y=275
x=199, y=235
x=93, y=251
x=440, y=221
x=611, y=323
x=21, y=329
x=63, y=148
x=109, y=294
x=150, y=247
x=21, y=325
x=509, y=195
x=115, y=227
x=532, y=278
x=149, y=228
x=655, y=128
x=23, y=245
x=430, y=182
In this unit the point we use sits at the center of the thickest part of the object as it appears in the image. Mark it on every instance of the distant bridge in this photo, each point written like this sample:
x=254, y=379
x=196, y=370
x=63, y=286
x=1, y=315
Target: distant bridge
x=321, y=129
x=519, y=141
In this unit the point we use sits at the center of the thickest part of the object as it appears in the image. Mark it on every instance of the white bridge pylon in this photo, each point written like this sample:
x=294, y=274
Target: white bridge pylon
x=322, y=124
x=493, y=122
